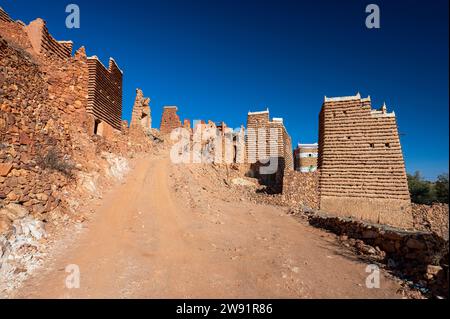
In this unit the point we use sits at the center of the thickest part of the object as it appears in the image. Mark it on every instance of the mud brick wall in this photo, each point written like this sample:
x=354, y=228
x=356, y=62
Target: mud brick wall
x=306, y=157
x=170, y=120
x=105, y=92
x=4, y=16
x=255, y=122
x=361, y=162
x=301, y=189
x=281, y=140
x=44, y=43
x=141, y=117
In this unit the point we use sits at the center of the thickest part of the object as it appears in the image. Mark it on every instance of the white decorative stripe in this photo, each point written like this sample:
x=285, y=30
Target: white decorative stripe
x=309, y=155
x=255, y=113
x=343, y=98
x=315, y=145
x=308, y=170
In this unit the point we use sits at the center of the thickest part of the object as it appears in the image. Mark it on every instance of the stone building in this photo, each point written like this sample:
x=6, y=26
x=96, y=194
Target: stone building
x=361, y=162
x=170, y=120
x=4, y=16
x=305, y=157
x=90, y=85
x=105, y=96
x=141, y=117
x=267, y=142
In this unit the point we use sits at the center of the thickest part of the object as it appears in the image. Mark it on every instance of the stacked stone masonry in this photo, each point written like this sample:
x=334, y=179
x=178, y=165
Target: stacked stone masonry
x=361, y=162
x=43, y=116
x=90, y=87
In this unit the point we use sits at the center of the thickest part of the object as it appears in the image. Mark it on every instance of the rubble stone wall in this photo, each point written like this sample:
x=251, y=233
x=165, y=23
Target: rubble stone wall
x=29, y=128
x=421, y=256
x=141, y=117
x=301, y=189
x=361, y=162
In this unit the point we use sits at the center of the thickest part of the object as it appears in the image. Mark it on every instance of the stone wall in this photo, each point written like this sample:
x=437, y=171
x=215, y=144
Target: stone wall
x=76, y=84
x=420, y=256
x=301, y=189
x=361, y=162
x=105, y=95
x=170, y=120
x=29, y=129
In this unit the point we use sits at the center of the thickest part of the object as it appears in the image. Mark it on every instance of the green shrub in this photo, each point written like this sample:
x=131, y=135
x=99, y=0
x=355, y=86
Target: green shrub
x=426, y=192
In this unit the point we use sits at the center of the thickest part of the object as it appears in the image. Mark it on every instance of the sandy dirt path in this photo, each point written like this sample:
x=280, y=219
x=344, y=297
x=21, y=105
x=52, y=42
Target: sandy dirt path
x=147, y=242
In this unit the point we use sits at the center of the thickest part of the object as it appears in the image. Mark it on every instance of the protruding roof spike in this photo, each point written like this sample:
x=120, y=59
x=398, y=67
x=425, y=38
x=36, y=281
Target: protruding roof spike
x=384, y=108
x=358, y=95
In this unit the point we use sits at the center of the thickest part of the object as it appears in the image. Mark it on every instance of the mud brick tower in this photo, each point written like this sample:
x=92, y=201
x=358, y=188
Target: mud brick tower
x=105, y=96
x=170, y=120
x=305, y=158
x=361, y=162
x=260, y=133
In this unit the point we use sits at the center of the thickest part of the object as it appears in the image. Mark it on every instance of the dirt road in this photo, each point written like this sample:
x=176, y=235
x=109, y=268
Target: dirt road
x=146, y=241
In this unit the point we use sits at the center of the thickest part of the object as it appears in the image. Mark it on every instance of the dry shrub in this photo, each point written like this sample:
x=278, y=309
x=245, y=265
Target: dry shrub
x=53, y=161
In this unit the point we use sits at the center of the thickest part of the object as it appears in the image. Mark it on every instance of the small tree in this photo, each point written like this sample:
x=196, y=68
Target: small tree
x=421, y=191
x=441, y=188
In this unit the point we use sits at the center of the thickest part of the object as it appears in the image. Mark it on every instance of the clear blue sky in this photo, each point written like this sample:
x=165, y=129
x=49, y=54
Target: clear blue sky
x=219, y=59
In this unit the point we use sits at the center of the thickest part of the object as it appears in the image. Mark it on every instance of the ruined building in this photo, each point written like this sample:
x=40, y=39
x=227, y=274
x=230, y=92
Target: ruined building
x=305, y=157
x=170, y=120
x=141, y=117
x=268, y=141
x=361, y=162
x=92, y=87
x=105, y=96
